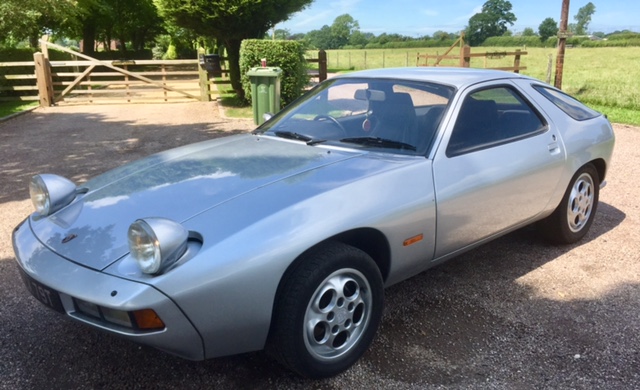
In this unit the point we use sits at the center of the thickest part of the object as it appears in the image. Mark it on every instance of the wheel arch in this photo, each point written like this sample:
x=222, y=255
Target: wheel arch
x=369, y=240
x=601, y=168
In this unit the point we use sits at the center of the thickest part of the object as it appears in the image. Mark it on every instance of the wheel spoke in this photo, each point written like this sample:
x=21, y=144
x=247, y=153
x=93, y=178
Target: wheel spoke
x=581, y=202
x=337, y=314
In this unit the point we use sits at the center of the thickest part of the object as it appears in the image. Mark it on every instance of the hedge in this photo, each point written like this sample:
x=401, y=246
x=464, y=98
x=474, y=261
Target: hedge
x=287, y=55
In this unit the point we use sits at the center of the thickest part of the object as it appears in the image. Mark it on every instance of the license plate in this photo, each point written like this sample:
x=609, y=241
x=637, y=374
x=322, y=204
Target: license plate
x=44, y=294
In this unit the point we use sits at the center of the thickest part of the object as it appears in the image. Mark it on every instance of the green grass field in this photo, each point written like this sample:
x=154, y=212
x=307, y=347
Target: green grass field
x=9, y=108
x=606, y=79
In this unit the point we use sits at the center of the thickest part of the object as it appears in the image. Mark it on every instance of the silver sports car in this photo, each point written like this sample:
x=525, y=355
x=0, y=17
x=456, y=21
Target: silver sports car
x=284, y=239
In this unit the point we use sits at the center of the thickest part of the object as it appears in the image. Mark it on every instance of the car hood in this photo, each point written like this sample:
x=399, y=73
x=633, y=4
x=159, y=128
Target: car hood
x=177, y=184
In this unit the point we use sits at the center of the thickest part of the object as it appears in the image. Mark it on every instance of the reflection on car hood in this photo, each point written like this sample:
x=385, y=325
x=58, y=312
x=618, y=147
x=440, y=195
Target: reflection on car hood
x=177, y=184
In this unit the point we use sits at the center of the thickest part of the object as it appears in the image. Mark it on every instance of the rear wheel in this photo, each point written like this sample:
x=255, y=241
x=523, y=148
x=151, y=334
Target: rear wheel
x=574, y=216
x=328, y=311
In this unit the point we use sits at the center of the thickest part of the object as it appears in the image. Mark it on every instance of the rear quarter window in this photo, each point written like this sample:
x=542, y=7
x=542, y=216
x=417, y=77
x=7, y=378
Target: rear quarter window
x=566, y=103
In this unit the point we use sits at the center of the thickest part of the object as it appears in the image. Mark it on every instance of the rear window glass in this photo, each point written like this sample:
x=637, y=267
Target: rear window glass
x=566, y=103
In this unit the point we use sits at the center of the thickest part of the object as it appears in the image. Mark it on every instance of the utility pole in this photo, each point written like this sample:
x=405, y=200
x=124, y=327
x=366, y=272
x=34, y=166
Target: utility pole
x=562, y=43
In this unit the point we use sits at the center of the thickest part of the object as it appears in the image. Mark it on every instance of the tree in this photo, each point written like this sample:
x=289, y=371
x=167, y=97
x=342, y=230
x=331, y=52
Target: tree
x=341, y=30
x=547, y=29
x=229, y=22
x=583, y=18
x=29, y=19
x=491, y=21
x=528, y=32
x=320, y=39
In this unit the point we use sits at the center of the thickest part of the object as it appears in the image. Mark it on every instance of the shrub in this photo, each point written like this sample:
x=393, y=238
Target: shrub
x=287, y=55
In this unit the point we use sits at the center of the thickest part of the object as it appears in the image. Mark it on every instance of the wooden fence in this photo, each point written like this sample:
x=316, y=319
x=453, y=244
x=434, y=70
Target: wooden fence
x=464, y=59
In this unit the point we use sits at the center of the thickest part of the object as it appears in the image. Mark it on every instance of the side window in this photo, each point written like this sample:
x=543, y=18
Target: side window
x=566, y=103
x=491, y=117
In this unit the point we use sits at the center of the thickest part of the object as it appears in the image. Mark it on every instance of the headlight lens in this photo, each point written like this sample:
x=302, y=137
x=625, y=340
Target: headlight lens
x=49, y=193
x=156, y=243
x=39, y=195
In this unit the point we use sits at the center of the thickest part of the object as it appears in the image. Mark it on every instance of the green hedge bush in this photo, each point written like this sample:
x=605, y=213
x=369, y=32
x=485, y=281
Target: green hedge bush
x=287, y=55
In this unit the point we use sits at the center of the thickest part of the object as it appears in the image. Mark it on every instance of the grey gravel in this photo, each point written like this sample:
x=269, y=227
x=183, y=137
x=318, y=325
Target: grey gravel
x=513, y=314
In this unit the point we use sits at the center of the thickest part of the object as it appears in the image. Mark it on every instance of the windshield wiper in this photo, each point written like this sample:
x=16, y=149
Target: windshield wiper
x=380, y=142
x=299, y=137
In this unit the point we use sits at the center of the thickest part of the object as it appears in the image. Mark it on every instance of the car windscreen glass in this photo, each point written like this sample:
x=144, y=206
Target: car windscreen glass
x=566, y=103
x=387, y=115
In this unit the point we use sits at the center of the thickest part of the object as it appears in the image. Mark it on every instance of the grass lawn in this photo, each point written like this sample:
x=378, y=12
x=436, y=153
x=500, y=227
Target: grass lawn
x=235, y=107
x=9, y=108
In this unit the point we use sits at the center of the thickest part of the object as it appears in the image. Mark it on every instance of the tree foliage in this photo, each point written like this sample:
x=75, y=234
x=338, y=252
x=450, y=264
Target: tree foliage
x=230, y=21
x=29, y=19
x=583, y=18
x=548, y=28
x=490, y=22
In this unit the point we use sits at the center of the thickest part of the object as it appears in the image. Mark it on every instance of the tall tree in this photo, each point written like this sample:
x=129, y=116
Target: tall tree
x=28, y=19
x=320, y=39
x=491, y=21
x=341, y=30
x=583, y=18
x=229, y=22
x=548, y=28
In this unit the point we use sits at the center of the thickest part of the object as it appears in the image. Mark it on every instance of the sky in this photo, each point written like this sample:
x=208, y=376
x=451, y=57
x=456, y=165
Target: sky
x=423, y=17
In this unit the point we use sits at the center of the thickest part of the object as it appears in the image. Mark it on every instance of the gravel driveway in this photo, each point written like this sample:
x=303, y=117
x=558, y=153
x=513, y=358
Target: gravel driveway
x=513, y=314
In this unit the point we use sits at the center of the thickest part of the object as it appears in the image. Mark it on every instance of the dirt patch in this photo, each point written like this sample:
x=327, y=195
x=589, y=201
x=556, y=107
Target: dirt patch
x=515, y=313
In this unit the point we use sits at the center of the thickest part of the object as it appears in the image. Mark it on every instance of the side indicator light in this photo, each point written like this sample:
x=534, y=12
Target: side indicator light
x=413, y=240
x=147, y=319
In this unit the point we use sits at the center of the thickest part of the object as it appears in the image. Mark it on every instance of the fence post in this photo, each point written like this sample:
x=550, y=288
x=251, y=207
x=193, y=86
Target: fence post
x=465, y=56
x=549, y=67
x=322, y=65
x=516, y=61
x=43, y=79
x=203, y=76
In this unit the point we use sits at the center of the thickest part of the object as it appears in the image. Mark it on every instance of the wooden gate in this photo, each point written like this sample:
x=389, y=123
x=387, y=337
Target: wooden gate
x=89, y=80
x=464, y=59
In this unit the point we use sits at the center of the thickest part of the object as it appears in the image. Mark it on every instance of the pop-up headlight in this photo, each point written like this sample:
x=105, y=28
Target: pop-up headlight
x=157, y=243
x=49, y=193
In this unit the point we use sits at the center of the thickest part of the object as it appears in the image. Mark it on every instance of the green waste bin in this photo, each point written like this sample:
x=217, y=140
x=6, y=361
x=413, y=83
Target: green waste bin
x=265, y=92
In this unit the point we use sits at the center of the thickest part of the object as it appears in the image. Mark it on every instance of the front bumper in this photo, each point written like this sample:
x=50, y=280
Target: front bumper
x=49, y=276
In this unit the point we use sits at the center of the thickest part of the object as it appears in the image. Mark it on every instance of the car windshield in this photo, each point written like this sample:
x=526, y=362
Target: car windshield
x=383, y=114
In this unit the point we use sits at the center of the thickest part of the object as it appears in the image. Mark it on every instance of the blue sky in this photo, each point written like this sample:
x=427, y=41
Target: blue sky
x=424, y=17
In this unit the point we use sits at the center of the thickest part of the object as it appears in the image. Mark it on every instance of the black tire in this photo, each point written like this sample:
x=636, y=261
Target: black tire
x=327, y=312
x=571, y=221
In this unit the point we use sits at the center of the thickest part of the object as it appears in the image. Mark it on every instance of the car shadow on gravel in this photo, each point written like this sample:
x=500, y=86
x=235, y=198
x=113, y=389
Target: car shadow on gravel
x=467, y=323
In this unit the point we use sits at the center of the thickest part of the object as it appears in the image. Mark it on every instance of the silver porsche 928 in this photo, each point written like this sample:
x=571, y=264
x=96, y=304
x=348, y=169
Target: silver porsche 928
x=284, y=239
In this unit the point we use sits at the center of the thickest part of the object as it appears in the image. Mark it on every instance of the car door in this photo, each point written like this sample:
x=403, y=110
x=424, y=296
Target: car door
x=496, y=168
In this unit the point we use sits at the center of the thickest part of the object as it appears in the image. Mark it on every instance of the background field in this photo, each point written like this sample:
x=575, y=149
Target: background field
x=606, y=79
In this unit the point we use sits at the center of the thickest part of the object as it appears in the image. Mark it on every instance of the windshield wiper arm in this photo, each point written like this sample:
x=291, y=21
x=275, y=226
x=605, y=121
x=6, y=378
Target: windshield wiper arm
x=299, y=137
x=380, y=142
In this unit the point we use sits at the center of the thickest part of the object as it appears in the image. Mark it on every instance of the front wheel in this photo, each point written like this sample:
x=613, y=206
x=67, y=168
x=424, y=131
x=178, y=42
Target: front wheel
x=573, y=217
x=328, y=310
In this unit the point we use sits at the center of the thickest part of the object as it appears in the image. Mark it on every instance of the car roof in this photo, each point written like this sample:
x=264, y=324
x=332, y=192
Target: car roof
x=456, y=77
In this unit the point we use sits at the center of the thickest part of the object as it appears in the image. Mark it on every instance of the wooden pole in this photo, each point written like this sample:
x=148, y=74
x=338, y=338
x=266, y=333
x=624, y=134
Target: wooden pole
x=516, y=62
x=322, y=65
x=203, y=77
x=43, y=79
x=465, y=56
x=562, y=43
